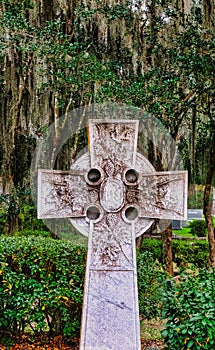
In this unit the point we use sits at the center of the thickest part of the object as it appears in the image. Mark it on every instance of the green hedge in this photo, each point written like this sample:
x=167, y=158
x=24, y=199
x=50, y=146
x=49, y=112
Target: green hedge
x=189, y=309
x=41, y=285
x=194, y=252
x=41, y=282
x=151, y=278
x=154, y=246
x=198, y=228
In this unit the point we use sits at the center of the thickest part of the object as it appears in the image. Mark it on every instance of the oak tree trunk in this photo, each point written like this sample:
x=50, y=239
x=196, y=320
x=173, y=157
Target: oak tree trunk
x=167, y=246
x=207, y=203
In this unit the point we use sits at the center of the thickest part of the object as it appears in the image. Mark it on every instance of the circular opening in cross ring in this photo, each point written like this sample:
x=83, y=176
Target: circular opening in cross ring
x=93, y=213
x=94, y=175
x=131, y=213
x=131, y=175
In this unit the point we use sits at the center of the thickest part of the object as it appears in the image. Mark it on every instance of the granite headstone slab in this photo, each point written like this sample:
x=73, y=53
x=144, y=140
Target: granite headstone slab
x=195, y=214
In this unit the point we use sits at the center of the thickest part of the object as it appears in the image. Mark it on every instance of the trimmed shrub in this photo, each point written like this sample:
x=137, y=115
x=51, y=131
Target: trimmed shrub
x=41, y=285
x=190, y=312
x=198, y=228
x=154, y=246
x=194, y=252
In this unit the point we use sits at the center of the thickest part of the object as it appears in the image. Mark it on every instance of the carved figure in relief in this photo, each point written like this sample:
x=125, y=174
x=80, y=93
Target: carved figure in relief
x=120, y=133
x=52, y=199
x=114, y=140
x=76, y=199
x=109, y=167
x=63, y=194
x=162, y=191
x=109, y=249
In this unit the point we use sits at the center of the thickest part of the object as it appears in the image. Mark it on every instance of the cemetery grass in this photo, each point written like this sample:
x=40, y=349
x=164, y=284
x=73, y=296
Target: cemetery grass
x=184, y=232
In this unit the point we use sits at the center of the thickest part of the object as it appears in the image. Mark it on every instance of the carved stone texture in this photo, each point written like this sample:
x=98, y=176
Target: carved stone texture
x=61, y=194
x=163, y=195
x=112, y=194
x=114, y=248
x=83, y=165
x=110, y=316
x=111, y=311
x=113, y=144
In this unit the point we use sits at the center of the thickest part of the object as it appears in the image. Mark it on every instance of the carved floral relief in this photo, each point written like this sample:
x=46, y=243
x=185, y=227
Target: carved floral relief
x=113, y=141
x=112, y=243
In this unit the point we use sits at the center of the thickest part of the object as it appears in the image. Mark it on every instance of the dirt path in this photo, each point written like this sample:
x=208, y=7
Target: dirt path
x=24, y=342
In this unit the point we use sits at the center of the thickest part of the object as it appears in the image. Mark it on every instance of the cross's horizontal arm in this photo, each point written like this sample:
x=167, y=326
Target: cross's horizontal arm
x=62, y=194
x=163, y=195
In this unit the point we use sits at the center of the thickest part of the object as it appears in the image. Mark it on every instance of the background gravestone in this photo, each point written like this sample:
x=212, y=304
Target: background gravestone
x=176, y=224
x=195, y=214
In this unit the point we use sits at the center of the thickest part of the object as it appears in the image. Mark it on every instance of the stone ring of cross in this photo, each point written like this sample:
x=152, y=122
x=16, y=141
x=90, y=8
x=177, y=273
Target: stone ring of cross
x=112, y=178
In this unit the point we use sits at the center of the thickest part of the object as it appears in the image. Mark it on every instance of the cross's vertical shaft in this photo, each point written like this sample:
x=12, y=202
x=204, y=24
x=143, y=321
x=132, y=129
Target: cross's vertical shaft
x=110, y=317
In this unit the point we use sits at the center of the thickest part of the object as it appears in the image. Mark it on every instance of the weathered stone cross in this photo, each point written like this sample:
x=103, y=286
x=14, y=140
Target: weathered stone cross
x=111, y=195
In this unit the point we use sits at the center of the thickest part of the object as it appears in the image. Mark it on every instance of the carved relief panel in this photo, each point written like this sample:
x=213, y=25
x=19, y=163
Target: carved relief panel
x=61, y=194
x=113, y=141
x=163, y=195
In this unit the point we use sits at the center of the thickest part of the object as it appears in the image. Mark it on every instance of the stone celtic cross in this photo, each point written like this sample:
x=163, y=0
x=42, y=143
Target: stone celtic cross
x=112, y=194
